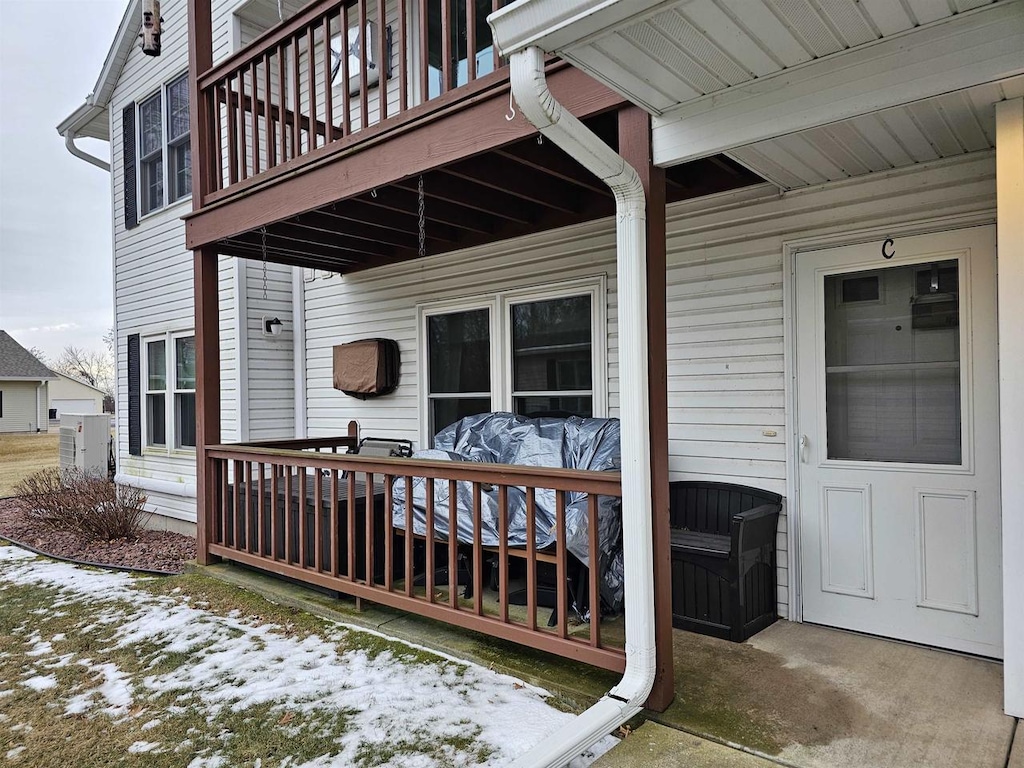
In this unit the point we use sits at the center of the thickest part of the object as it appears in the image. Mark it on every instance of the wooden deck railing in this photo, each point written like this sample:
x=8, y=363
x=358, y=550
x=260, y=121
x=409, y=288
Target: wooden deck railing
x=333, y=71
x=326, y=518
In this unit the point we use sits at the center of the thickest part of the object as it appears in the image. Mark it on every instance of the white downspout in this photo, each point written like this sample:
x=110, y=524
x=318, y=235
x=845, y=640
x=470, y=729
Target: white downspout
x=564, y=129
x=299, y=350
x=69, y=142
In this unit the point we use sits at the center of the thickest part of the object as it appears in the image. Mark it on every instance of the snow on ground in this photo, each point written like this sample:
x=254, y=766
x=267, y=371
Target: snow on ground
x=234, y=663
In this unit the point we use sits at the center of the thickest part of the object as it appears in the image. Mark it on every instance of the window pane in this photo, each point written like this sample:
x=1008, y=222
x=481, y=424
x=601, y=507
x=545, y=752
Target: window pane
x=892, y=367
x=156, y=424
x=459, y=352
x=152, y=178
x=541, y=405
x=185, y=362
x=551, y=345
x=156, y=365
x=185, y=420
x=150, y=130
x=449, y=410
x=181, y=171
x=177, y=108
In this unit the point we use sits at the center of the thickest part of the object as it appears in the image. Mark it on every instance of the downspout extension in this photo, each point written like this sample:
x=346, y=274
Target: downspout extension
x=626, y=699
x=69, y=142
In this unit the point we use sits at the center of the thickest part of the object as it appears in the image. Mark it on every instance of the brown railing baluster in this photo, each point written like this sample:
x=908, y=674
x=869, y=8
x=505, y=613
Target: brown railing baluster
x=453, y=545
x=268, y=113
x=297, y=98
x=255, y=119
x=238, y=503
x=531, y=558
x=261, y=508
x=429, y=580
x=334, y=507
x=382, y=65
x=243, y=168
x=287, y=513
x=478, y=554
x=328, y=86
x=346, y=106
x=403, y=65
x=364, y=108
x=232, y=148
x=303, y=524
x=274, y=554
x=561, y=575
x=311, y=76
x=503, y=552
x=369, y=511
x=470, y=40
x=350, y=529
x=424, y=17
x=318, y=528
x=389, y=536
x=594, y=590
x=282, y=100
x=217, y=174
x=408, y=535
x=446, y=46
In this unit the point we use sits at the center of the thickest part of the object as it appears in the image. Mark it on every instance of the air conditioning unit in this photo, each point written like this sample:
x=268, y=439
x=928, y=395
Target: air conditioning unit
x=85, y=442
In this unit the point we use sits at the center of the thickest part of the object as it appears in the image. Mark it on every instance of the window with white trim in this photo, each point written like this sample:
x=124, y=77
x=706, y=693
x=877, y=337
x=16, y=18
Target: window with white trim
x=165, y=150
x=539, y=352
x=170, y=392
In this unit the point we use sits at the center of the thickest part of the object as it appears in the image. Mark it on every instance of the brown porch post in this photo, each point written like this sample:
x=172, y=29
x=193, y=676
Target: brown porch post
x=635, y=147
x=207, y=321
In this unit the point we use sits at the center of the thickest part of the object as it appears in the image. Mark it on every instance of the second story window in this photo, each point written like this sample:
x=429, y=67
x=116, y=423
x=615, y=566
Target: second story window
x=165, y=153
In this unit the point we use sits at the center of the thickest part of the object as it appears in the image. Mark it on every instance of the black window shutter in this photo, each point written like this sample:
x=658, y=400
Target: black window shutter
x=131, y=213
x=134, y=396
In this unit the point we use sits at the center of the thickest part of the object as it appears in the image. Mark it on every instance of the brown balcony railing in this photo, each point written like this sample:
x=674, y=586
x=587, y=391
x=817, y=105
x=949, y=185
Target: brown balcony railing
x=309, y=512
x=333, y=72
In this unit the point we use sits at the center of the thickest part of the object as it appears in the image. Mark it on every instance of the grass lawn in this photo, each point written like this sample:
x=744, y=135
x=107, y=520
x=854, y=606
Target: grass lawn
x=24, y=454
x=100, y=669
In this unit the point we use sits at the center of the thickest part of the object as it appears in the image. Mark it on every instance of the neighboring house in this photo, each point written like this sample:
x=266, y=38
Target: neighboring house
x=814, y=313
x=24, y=387
x=71, y=395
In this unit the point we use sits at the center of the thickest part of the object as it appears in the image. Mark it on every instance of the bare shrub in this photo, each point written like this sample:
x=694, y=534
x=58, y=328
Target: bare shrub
x=70, y=500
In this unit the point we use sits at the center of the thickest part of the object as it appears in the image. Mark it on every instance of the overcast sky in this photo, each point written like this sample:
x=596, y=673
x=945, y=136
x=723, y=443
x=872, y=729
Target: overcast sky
x=55, y=240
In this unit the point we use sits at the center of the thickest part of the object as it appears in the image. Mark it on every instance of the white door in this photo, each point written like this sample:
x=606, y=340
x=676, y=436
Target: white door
x=898, y=429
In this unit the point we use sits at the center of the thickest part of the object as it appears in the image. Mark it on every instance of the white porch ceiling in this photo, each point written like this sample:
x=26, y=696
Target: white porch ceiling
x=940, y=127
x=682, y=50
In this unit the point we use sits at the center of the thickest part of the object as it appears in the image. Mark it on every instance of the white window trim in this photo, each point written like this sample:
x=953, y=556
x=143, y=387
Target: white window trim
x=499, y=305
x=170, y=390
x=166, y=204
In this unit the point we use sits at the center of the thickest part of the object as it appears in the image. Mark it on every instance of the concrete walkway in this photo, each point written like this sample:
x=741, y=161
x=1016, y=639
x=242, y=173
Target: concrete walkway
x=796, y=694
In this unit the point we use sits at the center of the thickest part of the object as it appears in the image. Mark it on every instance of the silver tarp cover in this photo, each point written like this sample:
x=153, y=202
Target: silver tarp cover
x=504, y=438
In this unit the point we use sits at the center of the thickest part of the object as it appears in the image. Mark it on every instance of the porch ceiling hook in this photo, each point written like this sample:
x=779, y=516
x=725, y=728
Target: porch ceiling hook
x=511, y=108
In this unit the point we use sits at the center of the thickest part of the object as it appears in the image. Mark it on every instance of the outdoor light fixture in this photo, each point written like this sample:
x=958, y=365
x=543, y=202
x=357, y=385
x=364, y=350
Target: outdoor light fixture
x=272, y=326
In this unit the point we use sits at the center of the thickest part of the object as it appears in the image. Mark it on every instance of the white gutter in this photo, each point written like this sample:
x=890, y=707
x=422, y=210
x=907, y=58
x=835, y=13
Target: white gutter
x=69, y=142
x=563, y=128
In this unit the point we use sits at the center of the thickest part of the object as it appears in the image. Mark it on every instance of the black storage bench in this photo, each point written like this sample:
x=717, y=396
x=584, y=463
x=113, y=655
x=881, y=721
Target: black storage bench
x=723, y=558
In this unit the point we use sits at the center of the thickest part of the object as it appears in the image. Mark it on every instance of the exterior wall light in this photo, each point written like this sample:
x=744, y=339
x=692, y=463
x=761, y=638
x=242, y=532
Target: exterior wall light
x=272, y=326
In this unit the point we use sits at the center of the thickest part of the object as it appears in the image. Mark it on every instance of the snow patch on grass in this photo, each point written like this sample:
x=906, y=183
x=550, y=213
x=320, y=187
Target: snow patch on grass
x=40, y=682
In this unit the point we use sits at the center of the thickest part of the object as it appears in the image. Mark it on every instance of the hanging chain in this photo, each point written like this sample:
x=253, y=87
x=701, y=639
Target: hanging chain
x=263, y=248
x=422, y=219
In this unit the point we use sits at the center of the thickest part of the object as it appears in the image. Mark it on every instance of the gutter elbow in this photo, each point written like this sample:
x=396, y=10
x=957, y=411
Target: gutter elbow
x=69, y=142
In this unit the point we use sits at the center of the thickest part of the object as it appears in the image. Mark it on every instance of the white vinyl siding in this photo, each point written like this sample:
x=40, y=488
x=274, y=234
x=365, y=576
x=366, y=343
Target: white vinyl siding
x=724, y=312
x=20, y=411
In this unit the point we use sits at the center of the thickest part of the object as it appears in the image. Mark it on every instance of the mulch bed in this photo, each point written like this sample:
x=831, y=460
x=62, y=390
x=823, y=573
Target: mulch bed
x=152, y=550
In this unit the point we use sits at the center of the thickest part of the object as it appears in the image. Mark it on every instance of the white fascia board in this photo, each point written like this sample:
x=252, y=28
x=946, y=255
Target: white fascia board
x=88, y=121
x=553, y=25
x=969, y=49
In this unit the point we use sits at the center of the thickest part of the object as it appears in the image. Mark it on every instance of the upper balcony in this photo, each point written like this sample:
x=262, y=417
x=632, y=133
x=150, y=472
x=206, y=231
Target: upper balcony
x=338, y=142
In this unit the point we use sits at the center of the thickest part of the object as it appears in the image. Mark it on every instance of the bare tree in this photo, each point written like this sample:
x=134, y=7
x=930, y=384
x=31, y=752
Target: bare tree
x=96, y=368
x=38, y=354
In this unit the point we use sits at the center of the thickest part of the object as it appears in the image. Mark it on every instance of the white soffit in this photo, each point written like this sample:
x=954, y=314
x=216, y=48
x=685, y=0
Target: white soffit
x=940, y=127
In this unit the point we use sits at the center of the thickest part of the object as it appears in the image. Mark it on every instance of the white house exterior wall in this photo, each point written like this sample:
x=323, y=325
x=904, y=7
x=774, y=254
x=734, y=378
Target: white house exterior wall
x=22, y=411
x=726, y=346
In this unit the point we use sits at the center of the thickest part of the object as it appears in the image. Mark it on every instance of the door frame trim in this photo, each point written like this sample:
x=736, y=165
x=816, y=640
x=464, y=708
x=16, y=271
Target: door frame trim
x=791, y=248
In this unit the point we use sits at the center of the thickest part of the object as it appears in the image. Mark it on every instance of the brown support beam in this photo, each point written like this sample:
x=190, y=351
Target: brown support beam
x=635, y=148
x=202, y=118
x=207, y=330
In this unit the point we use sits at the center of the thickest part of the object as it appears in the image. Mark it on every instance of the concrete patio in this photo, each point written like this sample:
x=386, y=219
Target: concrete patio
x=796, y=694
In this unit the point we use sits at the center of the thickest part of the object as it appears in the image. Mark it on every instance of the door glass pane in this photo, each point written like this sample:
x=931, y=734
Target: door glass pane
x=892, y=364
x=459, y=42
x=459, y=350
